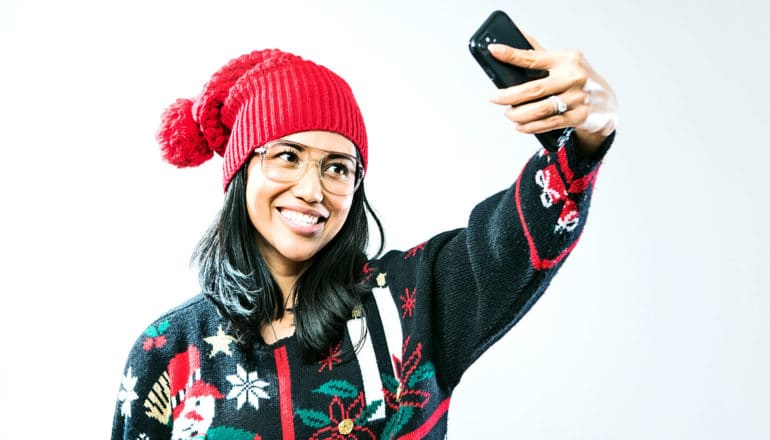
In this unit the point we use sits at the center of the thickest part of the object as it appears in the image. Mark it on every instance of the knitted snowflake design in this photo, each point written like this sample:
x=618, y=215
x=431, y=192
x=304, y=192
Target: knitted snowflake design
x=247, y=387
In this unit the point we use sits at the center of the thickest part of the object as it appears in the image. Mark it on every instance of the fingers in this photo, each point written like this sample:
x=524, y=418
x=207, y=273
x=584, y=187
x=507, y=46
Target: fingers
x=530, y=59
x=538, y=89
x=543, y=115
x=569, y=78
x=553, y=122
x=544, y=108
x=567, y=69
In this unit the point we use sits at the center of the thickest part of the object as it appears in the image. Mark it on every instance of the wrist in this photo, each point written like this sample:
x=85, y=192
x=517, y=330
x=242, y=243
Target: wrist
x=588, y=143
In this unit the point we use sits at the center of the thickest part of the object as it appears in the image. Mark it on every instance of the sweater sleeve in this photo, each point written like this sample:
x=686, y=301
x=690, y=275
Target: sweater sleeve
x=462, y=290
x=143, y=409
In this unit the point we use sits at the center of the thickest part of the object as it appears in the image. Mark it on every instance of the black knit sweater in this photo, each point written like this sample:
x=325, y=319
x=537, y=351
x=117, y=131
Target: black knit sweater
x=431, y=312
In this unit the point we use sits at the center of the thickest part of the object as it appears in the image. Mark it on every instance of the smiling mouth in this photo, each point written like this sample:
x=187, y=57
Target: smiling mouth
x=299, y=218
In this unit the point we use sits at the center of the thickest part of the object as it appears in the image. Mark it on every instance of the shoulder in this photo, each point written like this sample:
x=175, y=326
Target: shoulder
x=194, y=308
x=159, y=364
x=418, y=258
x=172, y=332
x=192, y=313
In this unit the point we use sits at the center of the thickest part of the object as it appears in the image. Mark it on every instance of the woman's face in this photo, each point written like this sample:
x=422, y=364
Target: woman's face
x=295, y=220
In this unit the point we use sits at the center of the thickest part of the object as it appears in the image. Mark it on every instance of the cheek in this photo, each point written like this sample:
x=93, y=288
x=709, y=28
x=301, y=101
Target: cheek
x=253, y=204
x=253, y=183
x=259, y=193
x=343, y=211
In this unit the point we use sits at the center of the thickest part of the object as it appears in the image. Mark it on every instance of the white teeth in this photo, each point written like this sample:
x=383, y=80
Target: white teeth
x=300, y=219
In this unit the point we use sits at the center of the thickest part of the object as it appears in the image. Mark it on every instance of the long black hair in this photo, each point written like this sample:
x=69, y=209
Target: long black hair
x=235, y=277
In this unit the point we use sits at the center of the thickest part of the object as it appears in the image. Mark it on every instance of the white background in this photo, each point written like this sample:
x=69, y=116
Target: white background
x=657, y=326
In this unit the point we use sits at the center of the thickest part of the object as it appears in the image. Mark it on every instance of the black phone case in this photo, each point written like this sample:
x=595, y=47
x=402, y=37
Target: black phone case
x=499, y=28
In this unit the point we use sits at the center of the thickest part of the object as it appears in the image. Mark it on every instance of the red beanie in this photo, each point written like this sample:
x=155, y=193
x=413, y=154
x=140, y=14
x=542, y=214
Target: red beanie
x=256, y=98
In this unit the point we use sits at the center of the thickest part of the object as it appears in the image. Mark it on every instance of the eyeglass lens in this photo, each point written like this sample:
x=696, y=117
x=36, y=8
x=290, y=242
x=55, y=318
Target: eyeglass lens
x=287, y=162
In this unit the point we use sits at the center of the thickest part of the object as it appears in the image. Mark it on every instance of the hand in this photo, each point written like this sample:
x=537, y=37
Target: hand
x=591, y=103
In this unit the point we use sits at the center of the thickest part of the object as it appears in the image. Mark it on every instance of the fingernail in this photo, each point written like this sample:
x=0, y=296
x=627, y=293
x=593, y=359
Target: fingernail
x=495, y=48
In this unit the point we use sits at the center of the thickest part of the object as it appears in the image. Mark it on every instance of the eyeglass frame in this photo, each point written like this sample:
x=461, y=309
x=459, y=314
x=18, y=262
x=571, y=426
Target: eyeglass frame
x=359, y=172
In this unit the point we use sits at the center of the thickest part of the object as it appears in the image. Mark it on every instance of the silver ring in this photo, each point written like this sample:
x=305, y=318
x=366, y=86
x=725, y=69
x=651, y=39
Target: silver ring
x=559, y=106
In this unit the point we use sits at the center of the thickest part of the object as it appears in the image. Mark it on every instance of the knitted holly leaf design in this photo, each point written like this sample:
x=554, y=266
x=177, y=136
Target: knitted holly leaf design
x=368, y=412
x=340, y=388
x=163, y=326
x=424, y=372
x=341, y=414
x=312, y=418
x=397, y=422
x=154, y=332
x=155, y=336
x=390, y=382
x=228, y=433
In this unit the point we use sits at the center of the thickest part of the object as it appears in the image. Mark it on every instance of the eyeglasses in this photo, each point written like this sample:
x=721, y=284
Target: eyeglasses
x=286, y=161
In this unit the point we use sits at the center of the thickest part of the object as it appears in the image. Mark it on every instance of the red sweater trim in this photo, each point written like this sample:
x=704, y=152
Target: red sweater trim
x=284, y=392
x=423, y=430
x=537, y=262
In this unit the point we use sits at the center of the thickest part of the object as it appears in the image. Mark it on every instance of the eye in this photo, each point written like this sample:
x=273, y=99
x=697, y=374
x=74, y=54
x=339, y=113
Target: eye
x=340, y=168
x=288, y=156
x=284, y=155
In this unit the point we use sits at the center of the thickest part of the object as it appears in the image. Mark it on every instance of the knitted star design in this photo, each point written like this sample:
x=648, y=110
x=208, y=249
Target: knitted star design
x=367, y=271
x=220, y=343
x=413, y=251
x=407, y=302
x=247, y=387
x=332, y=358
x=127, y=393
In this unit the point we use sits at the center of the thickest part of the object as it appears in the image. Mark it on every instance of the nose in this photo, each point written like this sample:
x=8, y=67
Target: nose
x=308, y=187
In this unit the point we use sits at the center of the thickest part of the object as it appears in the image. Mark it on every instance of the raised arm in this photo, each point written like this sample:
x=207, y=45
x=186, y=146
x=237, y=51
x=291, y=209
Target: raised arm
x=462, y=290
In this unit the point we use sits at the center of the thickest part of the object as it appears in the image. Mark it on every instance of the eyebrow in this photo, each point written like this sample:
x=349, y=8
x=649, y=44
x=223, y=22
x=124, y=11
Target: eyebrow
x=333, y=154
x=289, y=143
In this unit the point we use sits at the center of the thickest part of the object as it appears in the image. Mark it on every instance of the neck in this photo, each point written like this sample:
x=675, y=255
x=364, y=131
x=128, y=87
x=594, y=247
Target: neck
x=286, y=277
x=286, y=282
x=285, y=272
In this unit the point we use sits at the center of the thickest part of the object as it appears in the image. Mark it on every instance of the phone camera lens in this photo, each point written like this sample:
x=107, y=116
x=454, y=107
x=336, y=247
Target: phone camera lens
x=486, y=39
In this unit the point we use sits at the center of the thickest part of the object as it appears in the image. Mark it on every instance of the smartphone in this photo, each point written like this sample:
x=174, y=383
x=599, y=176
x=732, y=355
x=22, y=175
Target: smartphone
x=499, y=28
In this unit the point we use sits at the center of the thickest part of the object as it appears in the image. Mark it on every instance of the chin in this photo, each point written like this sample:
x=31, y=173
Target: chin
x=299, y=256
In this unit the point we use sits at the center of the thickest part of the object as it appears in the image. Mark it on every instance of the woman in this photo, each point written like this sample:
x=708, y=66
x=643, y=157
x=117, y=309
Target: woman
x=295, y=333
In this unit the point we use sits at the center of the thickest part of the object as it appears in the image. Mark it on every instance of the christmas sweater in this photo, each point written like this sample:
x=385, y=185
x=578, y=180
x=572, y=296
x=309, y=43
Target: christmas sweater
x=430, y=312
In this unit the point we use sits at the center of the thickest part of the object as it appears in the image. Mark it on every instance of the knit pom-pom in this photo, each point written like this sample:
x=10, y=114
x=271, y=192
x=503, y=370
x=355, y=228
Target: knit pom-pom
x=181, y=141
